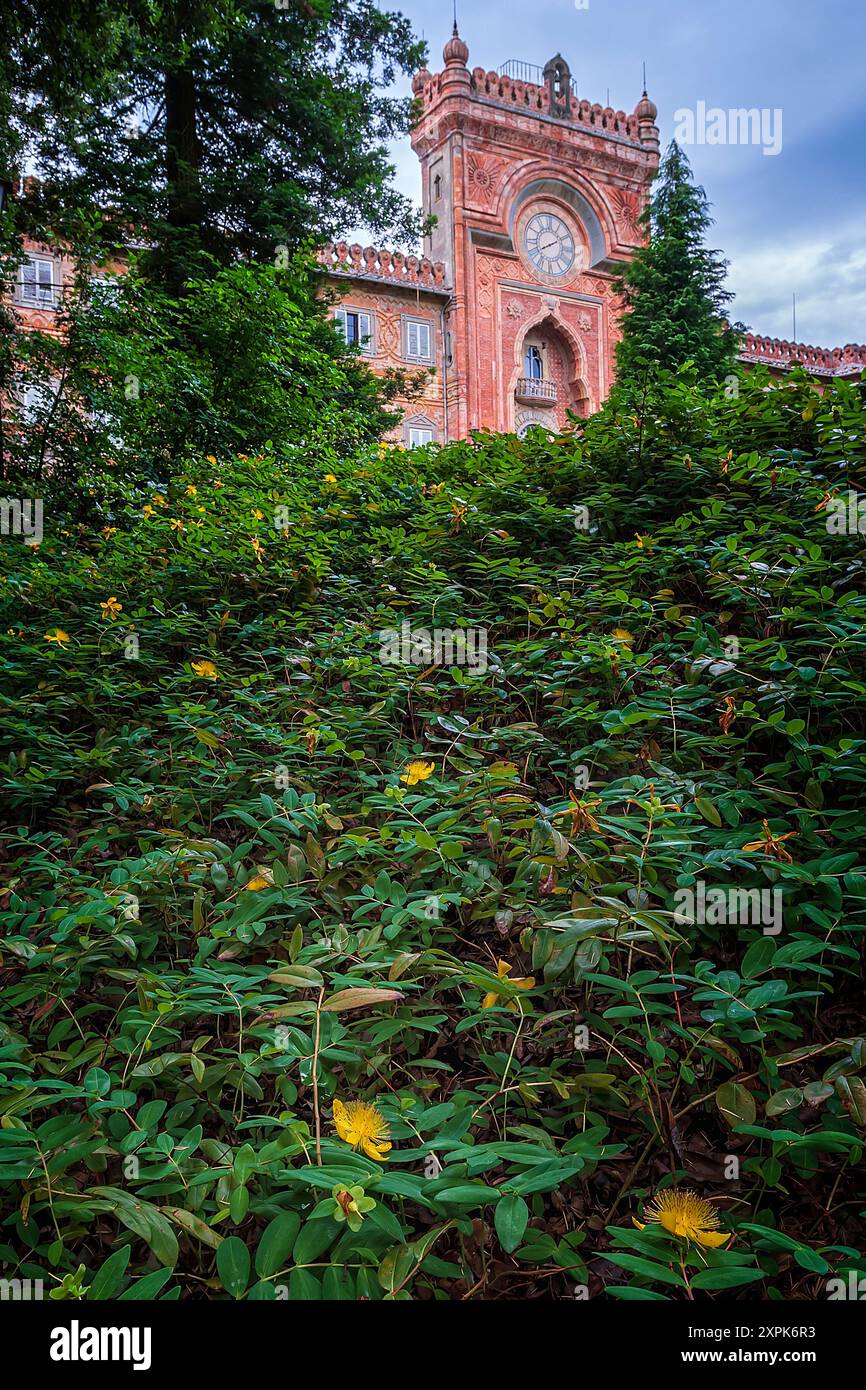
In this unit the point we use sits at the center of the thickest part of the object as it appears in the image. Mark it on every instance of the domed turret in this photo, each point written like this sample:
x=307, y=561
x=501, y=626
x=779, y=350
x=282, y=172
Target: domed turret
x=646, y=110
x=420, y=80
x=455, y=50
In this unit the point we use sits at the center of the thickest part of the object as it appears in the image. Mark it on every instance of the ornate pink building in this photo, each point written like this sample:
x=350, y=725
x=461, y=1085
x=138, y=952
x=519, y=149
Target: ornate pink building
x=537, y=197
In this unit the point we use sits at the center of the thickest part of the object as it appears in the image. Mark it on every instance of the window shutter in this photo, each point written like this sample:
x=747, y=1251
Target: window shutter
x=46, y=289
x=340, y=320
x=36, y=282
x=365, y=331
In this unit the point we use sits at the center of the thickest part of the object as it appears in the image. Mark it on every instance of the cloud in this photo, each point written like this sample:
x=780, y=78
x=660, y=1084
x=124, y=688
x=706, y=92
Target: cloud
x=828, y=273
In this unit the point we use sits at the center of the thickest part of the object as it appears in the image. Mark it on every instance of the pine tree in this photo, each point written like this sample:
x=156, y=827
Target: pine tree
x=674, y=287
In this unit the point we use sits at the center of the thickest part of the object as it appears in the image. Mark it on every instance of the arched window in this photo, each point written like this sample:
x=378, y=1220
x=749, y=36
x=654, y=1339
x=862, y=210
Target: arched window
x=533, y=363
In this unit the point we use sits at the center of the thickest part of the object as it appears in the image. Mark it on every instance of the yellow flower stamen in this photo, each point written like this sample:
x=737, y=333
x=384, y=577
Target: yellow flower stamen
x=686, y=1215
x=364, y=1127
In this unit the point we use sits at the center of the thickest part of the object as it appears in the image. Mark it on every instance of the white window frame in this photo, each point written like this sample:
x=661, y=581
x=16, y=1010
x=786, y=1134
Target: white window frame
x=367, y=340
x=422, y=349
x=43, y=288
x=419, y=425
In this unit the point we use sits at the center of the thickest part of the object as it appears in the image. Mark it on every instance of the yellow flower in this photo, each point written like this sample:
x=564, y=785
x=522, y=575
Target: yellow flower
x=684, y=1213
x=159, y=499
x=207, y=669
x=109, y=531
x=211, y=458
x=111, y=608
x=622, y=634
x=258, y=548
x=257, y=883
x=58, y=636
x=191, y=490
x=417, y=771
x=503, y=970
x=330, y=477
x=147, y=510
x=176, y=524
x=258, y=514
x=364, y=1127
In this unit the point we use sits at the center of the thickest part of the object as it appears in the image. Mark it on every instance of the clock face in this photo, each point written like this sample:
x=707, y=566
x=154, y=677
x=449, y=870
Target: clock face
x=549, y=244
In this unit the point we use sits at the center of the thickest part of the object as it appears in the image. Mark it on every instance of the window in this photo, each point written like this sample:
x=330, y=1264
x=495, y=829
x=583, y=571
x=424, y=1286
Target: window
x=419, y=434
x=35, y=398
x=36, y=283
x=356, y=327
x=437, y=188
x=104, y=289
x=417, y=340
x=418, y=430
x=533, y=363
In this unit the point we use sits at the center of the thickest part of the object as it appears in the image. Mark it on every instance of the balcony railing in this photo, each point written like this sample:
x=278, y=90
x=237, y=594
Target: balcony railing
x=534, y=389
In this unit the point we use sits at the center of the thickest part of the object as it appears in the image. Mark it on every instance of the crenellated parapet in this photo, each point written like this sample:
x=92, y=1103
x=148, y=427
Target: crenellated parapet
x=782, y=354
x=372, y=263
x=535, y=100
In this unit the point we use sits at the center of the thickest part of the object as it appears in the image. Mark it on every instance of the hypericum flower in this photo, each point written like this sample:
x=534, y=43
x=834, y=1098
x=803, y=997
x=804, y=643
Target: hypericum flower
x=258, y=548
x=111, y=608
x=191, y=490
x=503, y=970
x=109, y=531
x=417, y=771
x=350, y=1204
x=159, y=499
x=258, y=514
x=58, y=636
x=257, y=883
x=771, y=844
x=176, y=524
x=211, y=458
x=147, y=510
x=206, y=668
x=364, y=1127
x=685, y=1214
x=330, y=477
x=622, y=634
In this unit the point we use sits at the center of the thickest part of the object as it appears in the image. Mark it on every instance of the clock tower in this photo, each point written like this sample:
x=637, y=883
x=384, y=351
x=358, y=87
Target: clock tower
x=537, y=196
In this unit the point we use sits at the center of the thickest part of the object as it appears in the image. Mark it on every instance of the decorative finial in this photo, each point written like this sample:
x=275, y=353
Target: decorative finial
x=644, y=79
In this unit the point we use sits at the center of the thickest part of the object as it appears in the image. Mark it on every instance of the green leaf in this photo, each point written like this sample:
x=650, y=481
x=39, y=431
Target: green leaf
x=233, y=1265
x=510, y=1219
x=275, y=1246
x=108, y=1278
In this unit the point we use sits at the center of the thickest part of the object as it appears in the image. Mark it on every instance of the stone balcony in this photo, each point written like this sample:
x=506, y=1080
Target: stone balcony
x=534, y=391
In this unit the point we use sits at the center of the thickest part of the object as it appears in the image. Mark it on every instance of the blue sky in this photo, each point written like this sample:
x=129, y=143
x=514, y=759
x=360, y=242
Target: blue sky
x=795, y=221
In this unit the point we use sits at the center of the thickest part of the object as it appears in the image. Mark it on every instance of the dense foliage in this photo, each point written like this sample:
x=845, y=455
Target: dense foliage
x=136, y=380
x=228, y=903
x=674, y=286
